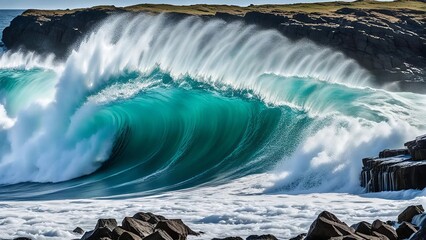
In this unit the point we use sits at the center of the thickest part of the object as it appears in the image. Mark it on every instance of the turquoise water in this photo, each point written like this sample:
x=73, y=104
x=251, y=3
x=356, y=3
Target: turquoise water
x=159, y=106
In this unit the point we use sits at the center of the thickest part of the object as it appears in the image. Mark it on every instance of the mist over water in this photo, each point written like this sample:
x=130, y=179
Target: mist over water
x=147, y=104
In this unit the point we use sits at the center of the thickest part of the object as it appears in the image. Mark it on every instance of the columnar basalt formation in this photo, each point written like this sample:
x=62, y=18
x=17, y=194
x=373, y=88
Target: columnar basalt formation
x=396, y=169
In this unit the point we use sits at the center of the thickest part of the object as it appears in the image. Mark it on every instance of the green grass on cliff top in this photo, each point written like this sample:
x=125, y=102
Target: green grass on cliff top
x=204, y=9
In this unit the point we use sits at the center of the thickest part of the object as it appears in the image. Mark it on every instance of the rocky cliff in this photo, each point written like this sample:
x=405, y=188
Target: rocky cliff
x=396, y=169
x=388, y=39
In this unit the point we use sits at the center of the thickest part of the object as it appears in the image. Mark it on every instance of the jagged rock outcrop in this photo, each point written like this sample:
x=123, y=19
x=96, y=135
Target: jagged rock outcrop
x=417, y=148
x=396, y=169
x=141, y=226
x=390, y=43
x=49, y=32
x=328, y=226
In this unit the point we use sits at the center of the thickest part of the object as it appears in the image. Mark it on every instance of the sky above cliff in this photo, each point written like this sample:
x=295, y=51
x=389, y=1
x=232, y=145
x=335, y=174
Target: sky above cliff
x=55, y=4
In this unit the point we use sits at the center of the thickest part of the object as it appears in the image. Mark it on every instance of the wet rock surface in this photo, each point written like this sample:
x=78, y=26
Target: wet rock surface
x=328, y=226
x=325, y=226
x=396, y=169
x=142, y=226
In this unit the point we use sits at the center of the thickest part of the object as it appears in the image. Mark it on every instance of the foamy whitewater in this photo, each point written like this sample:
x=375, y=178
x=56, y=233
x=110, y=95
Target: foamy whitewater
x=234, y=129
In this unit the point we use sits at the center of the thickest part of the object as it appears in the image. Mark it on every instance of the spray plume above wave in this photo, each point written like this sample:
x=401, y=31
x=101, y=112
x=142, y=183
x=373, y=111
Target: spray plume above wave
x=149, y=103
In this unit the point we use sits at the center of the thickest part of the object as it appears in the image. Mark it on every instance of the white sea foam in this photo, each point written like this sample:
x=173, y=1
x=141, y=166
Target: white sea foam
x=44, y=140
x=235, y=209
x=212, y=51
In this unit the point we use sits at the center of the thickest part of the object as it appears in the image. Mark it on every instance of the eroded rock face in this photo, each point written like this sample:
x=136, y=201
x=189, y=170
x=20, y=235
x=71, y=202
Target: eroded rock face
x=391, y=44
x=396, y=169
x=51, y=33
x=417, y=148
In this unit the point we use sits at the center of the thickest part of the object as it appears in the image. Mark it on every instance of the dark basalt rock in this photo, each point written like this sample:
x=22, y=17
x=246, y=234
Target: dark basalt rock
x=110, y=223
x=148, y=217
x=78, y=230
x=129, y=236
x=370, y=236
x=384, y=229
x=51, y=34
x=421, y=233
x=326, y=226
x=98, y=233
x=392, y=50
x=396, y=169
x=175, y=229
x=349, y=237
x=393, y=153
x=137, y=227
x=299, y=237
x=408, y=214
x=159, y=235
x=405, y=230
x=116, y=233
x=262, y=237
x=363, y=228
x=228, y=238
x=417, y=148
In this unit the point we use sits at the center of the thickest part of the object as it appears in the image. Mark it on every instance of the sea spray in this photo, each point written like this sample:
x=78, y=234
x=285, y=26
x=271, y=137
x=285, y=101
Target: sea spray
x=159, y=105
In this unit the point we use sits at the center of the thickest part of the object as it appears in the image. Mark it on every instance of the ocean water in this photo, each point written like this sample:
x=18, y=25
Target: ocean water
x=224, y=125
